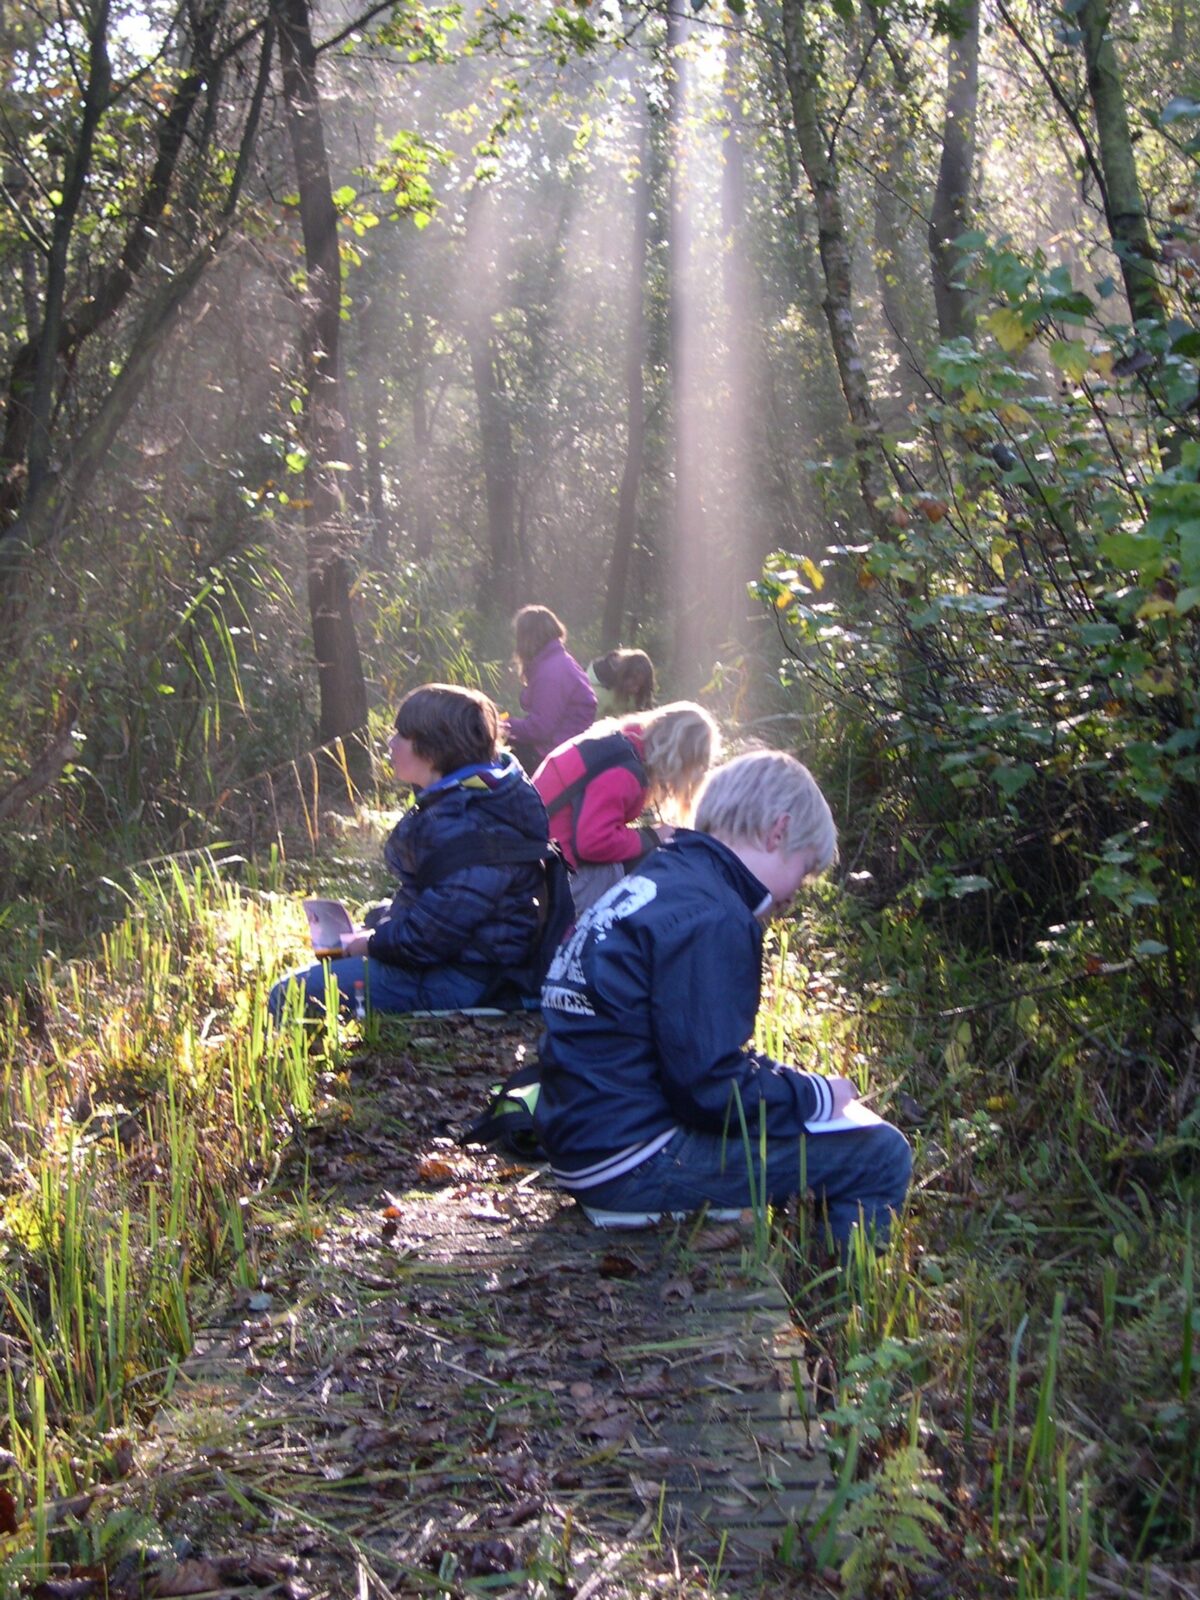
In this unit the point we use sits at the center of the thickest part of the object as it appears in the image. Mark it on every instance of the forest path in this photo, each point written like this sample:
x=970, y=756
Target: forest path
x=449, y=1383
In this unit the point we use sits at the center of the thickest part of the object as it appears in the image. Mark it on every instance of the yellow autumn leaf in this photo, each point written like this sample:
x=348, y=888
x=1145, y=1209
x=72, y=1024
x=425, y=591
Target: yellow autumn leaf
x=1155, y=683
x=812, y=572
x=1016, y=416
x=1157, y=606
x=1102, y=362
x=1072, y=357
x=784, y=600
x=1008, y=329
x=972, y=399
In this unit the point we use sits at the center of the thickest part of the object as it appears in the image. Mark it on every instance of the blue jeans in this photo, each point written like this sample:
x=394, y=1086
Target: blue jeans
x=386, y=988
x=867, y=1169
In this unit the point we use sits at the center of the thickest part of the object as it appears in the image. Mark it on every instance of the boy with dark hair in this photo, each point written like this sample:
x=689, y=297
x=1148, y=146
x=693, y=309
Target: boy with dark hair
x=467, y=854
x=651, y=1103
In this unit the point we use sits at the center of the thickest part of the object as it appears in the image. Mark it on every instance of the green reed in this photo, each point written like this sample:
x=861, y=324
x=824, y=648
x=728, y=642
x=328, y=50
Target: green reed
x=150, y=1086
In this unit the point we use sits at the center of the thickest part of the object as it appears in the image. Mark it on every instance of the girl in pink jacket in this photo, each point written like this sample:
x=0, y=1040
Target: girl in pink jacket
x=597, y=787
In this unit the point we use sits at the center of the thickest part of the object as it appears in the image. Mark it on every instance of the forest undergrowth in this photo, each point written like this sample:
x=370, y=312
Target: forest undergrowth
x=1009, y=1391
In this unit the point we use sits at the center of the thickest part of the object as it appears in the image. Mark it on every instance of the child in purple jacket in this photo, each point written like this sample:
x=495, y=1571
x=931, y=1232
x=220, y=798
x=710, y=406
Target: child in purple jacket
x=557, y=699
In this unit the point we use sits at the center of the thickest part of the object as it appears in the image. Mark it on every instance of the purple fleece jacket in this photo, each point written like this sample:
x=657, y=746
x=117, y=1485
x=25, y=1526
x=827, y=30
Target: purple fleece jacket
x=558, y=700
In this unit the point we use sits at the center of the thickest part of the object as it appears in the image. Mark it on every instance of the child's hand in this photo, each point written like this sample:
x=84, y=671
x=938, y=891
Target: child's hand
x=355, y=942
x=843, y=1091
x=665, y=832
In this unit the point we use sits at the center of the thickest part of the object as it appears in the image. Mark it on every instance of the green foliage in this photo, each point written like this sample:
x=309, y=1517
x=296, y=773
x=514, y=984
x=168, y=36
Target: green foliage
x=1021, y=653
x=889, y=1524
x=131, y=1121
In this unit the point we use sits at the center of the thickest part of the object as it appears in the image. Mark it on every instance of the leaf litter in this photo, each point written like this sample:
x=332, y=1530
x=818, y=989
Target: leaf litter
x=443, y=1381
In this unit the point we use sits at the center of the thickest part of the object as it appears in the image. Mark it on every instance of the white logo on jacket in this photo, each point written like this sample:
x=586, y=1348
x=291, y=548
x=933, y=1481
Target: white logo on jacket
x=617, y=903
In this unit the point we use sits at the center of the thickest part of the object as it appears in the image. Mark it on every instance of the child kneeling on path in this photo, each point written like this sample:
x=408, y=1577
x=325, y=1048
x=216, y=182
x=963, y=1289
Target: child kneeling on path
x=467, y=853
x=646, y=1076
x=597, y=786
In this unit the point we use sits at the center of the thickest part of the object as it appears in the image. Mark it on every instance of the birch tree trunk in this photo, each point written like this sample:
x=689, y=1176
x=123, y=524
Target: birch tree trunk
x=1123, y=205
x=952, y=196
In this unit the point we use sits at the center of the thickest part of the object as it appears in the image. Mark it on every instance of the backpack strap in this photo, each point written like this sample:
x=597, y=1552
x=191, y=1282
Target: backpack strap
x=479, y=850
x=610, y=752
x=554, y=906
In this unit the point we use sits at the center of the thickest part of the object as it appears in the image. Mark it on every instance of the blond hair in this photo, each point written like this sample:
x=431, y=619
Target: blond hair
x=740, y=802
x=680, y=742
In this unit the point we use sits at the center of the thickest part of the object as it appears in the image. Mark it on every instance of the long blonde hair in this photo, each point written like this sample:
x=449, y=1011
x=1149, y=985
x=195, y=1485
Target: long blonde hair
x=680, y=741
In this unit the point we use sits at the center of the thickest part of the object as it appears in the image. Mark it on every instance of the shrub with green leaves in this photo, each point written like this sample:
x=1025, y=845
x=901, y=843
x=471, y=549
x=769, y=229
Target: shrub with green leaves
x=1020, y=654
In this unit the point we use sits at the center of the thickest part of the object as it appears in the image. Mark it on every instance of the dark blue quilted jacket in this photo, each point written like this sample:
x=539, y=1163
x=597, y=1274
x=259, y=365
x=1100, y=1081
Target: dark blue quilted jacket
x=478, y=915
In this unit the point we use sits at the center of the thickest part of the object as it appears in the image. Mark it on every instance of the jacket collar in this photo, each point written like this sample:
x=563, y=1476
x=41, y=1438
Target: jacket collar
x=739, y=877
x=482, y=775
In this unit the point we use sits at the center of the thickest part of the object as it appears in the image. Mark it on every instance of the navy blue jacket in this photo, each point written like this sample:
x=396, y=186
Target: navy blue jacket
x=648, y=1008
x=478, y=915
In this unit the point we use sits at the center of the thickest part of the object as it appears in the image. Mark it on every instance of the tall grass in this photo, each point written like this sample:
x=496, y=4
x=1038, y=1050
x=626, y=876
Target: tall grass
x=134, y=1117
x=1032, y=1329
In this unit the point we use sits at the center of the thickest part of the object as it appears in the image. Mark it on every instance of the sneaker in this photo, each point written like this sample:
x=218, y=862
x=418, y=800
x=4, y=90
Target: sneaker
x=600, y=1218
x=459, y=1011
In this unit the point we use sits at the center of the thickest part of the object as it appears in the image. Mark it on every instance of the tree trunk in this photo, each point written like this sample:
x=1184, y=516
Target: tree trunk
x=499, y=585
x=834, y=246
x=422, y=423
x=890, y=106
x=801, y=255
x=499, y=467
x=625, y=532
x=41, y=396
x=1123, y=206
x=688, y=542
x=343, y=697
x=1179, y=31
x=952, y=197
x=737, y=502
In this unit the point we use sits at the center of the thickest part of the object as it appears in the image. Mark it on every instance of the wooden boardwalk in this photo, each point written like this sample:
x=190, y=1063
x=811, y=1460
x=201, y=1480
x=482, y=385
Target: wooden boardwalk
x=462, y=1380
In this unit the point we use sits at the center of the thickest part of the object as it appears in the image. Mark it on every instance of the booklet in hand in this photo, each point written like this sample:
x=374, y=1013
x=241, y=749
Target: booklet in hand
x=327, y=921
x=855, y=1115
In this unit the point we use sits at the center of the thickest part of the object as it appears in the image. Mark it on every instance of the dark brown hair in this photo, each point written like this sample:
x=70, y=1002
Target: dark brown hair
x=449, y=727
x=629, y=675
x=535, y=627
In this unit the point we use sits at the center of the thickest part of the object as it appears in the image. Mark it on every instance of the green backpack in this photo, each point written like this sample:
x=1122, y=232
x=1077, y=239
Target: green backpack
x=507, y=1119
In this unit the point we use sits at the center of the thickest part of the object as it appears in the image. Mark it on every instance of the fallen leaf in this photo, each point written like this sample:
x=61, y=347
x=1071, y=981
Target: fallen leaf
x=720, y=1236
x=186, y=1577
x=615, y=1266
x=434, y=1169
x=490, y=1556
x=614, y=1427
x=650, y=1387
